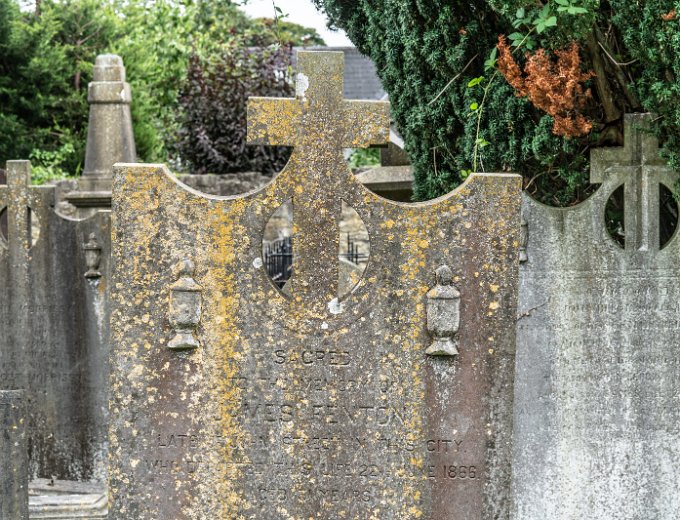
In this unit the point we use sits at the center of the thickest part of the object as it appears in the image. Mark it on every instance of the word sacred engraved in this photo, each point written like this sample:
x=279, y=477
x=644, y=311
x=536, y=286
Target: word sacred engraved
x=331, y=358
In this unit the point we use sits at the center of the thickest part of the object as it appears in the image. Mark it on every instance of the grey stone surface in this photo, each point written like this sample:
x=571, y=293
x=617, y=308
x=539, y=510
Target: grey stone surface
x=3, y=216
x=597, y=422
x=393, y=155
x=391, y=182
x=223, y=185
x=110, y=138
x=54, y=329
x=13, y=456
x=67, y=500
x=304, y=406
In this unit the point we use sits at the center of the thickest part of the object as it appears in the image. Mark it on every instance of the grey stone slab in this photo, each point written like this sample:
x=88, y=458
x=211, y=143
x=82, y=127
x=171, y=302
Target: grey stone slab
x=54, y=329
x=231, y=399
x=67, y=500
x=227, y=184
x=13, y=456
x=391, y=182
x=597, y=422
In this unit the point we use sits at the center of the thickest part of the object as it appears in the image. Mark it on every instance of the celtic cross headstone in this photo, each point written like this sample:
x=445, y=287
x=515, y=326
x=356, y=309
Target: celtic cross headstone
x=234, y=399
x=54, y=328
x=597, y=431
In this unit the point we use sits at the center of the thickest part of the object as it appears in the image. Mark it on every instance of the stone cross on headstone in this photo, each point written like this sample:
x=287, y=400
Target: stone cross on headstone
x=54, y=327
x=640, y=168
x=23, y=203
x=319, y=123
x=18, y=197
x=598, y=351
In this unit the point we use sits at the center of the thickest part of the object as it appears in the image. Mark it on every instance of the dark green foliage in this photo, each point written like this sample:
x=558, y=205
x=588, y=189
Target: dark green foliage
x=44, y=75
x=46, y=62
x=652, y=44
x=212, y=136
x=427, y=52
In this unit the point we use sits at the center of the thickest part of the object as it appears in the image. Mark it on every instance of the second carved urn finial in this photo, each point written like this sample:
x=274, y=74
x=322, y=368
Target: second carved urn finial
x=93, y=256
x=185, y=307
x=443, y=314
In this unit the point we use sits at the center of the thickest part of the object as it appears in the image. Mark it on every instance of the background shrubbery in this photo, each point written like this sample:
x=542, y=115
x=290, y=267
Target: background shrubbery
x=169, y=47
x=212, y=134
x=458, y=113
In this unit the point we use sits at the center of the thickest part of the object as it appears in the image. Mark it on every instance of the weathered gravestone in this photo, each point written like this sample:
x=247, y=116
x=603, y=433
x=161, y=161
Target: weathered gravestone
x=233, y=400
x=13, y=457
x=54, y=327
x=597, y=422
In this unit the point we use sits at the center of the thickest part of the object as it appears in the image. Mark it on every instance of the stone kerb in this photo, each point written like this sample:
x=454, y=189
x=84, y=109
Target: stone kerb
x=54, y=327
x=596, y=418
x=232, y=399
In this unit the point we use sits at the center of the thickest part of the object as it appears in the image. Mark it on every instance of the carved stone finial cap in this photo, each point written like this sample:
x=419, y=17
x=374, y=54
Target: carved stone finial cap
x=92, y=243
x=444, y=288
x=108, y=67
x=444, y=275
x=185, y=270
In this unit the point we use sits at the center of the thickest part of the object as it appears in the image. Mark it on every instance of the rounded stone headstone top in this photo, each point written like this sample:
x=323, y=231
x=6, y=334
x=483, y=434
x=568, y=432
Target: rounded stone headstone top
x=109, y=67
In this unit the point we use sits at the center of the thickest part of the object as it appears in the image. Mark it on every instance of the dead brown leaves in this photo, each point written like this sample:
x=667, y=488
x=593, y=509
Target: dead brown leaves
x=670, y=16
x=554, y=85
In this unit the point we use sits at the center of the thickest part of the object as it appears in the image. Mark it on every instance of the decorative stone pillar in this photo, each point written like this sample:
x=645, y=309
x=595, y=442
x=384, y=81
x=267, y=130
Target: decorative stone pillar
x=13, y=456
x=110, y=138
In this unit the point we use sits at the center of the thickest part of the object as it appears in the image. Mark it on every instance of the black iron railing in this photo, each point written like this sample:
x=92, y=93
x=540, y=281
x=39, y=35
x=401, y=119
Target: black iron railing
x=278, y=258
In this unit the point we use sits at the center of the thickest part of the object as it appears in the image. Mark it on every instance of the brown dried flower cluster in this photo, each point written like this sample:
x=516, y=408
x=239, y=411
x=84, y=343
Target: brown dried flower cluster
x=555, y=86
x=670, y=16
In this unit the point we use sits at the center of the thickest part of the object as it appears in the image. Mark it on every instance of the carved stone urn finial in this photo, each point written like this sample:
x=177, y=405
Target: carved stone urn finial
x=523, y=240
x=185, y=307
x=443, y=314
x=93, y=256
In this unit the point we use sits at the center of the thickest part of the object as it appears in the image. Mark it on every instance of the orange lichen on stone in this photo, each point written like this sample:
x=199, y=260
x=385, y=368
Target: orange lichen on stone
x=555, y=86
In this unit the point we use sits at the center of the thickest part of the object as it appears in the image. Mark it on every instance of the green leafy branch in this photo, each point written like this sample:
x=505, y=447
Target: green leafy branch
x=477, y=109
x=278, y=15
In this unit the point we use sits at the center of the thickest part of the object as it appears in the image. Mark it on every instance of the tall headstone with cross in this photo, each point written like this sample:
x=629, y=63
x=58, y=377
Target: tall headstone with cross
x=233, y=399
x=597, y=422
x=54, y=327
